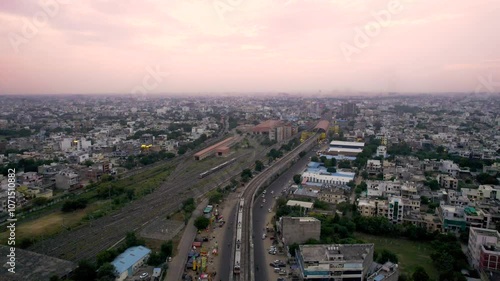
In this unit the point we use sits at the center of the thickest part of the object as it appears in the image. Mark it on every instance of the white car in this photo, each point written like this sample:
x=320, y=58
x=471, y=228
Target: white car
x=144, y=275
x=263, y=200
x=272, y=191
x=269, y=210
x=264, y=236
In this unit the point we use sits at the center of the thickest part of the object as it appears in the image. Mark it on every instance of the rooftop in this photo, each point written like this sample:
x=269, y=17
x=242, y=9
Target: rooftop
x=302, y=204
x=34, y=266
x=350, y=252
x=128, y=258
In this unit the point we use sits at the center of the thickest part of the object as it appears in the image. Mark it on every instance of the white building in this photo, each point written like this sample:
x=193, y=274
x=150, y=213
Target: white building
x=382, y=151
x=477, y=238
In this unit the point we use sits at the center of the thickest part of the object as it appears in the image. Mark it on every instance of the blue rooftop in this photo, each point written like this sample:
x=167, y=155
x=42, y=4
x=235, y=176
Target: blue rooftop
x=379, y=277
x=130, y=257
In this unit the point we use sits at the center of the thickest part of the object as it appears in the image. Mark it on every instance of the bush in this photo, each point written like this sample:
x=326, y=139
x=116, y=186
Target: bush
x=73, y=205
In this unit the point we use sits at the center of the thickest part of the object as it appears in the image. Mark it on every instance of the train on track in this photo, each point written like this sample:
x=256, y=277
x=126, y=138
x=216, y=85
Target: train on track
x=216, y=168
x=237, y=251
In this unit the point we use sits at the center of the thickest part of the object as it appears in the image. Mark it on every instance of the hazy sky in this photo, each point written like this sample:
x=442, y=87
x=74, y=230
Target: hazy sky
x=112, y=46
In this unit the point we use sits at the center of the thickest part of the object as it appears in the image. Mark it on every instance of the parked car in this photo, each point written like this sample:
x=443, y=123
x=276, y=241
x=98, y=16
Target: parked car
x=144, y=275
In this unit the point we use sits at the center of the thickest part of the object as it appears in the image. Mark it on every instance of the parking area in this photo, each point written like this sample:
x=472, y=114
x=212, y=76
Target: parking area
x=144, y=273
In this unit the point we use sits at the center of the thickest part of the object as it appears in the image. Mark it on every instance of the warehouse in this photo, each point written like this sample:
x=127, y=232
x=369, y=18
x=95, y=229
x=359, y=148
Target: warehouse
x=129, y=261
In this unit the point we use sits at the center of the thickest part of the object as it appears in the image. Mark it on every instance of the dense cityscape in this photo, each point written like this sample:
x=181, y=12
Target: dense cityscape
x=257, y=140
x=393, y=187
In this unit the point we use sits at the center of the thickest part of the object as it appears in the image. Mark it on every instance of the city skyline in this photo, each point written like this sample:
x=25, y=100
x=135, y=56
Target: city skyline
x=102, y=47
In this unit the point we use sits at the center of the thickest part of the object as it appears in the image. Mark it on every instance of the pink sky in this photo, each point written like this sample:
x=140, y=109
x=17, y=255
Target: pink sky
x=105, y=46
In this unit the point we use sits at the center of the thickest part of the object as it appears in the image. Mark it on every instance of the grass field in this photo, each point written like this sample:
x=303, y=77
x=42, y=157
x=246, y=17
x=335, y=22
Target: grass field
x=410, y=253
x=49, y=224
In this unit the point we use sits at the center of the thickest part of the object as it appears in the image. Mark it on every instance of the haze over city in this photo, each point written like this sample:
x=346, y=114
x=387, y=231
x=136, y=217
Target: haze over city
x=206, y=46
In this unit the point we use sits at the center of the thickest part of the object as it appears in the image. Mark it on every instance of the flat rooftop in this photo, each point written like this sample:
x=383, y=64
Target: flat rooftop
x=486, y=232
x=302, y=204
x=347, y=143
x=350, y=252
x=33, y=266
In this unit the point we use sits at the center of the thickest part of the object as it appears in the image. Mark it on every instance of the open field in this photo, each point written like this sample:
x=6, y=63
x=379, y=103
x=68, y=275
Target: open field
x=410, y=253
x=50, y=224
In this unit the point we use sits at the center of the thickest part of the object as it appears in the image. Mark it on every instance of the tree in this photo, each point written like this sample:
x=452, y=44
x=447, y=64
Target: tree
x=387, y=255
x=302, y=154
x=259, y=166
x=296, y=178
x=292, y=248
x=246, y=174
x=364, y=174
x=39, y=201
x=314, y=159
x=131, y=240
x=201, y=223
x=88, y=163
x=215, y=197
x=331, y=170
x=420, y=274
x=85, y=271
x=106, y=272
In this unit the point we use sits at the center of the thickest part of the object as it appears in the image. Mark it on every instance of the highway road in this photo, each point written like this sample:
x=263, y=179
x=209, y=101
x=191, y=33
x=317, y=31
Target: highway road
x=260, y=214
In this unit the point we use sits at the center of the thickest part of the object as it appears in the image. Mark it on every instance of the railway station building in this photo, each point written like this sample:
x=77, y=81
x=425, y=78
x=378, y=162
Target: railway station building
x=220, y=149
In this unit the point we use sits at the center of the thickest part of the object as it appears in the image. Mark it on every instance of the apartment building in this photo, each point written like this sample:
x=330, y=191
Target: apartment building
x=484, y=248
x=335, y=261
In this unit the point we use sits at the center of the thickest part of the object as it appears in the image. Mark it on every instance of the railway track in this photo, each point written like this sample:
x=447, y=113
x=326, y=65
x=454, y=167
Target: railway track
x=86, y=241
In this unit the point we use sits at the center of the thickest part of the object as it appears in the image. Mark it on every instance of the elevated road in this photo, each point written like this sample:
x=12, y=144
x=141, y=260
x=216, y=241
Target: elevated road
x=261, y=181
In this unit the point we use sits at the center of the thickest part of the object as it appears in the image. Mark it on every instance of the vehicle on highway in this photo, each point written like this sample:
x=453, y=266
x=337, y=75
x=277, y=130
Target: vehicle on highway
x=272, y=191
x=263, y=196
x=263, y=200
x=261, y=205
x=264, y=236
x=269, y=210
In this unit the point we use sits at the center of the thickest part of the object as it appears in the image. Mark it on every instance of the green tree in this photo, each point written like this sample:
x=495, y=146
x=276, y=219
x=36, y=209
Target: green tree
x=314, y=159
x=201, y=223
x=331, y=170
x=420, y=274
x=246, y=174
x=106, y=272
x=296, y=178
x=259, y=166
x=292, y=248
x=387, y=255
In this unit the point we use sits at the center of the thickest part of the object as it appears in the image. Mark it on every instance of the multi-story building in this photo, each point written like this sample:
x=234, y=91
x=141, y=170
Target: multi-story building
x=332, y=195
x=335, y=262
x=447, y=182
x=484, y=248
x=452, y=218
x=299, y=229
x=67, y=180
x=374, y=167
x=484, y=191
x=382, y=151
